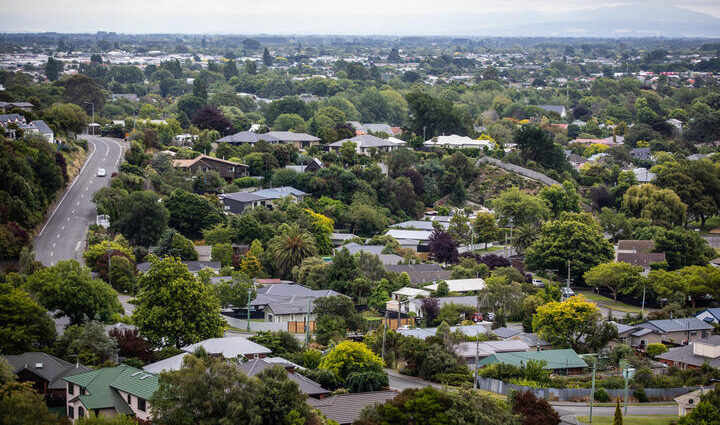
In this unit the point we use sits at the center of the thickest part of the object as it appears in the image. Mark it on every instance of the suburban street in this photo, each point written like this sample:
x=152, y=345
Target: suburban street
x=63, y=234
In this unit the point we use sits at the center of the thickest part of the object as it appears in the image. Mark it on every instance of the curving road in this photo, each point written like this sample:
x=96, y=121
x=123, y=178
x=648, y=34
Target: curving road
x=64, y=233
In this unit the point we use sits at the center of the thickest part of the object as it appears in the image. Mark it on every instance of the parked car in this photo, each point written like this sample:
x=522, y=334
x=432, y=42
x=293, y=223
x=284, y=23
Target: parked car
x=539, y=283
x=490, y=317
x=567, y=292
x=101, y=172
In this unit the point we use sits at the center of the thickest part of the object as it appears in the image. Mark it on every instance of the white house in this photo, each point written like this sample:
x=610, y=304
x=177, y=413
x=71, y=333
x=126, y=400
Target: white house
x=461, y=285
x=457, y=142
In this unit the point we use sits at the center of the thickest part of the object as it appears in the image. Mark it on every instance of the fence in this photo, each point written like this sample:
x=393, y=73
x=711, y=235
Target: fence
x=517, y=169
x=390, y=322
x=573, y=394
x=254, y=326
x=299, y=327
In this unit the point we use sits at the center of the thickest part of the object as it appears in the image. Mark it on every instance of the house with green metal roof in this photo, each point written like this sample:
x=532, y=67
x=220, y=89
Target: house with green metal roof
x=562, y=362
x=111, y=391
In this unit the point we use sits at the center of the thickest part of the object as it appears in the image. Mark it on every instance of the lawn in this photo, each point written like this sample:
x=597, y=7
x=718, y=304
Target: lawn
x=632, y=420
x=710, y=224
x=610, y=303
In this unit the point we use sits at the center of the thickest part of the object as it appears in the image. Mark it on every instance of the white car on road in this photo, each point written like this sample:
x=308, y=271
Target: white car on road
x=101, y=172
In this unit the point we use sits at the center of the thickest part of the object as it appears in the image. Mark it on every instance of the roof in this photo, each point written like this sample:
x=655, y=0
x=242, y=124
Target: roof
x=279, y=192
x=270, y=136
x=641, y=259
x=488, y=348
x=685, y=354
x=4, y=118
x=693, y=395
x=467, y=301
x=184, y=163
x=622, y=328
x=643, y=331
x=306, y=385
x=419, y=225
x=364, y=141
x=461, y=285
x=229, y=348
x=40, y=126
x=555, y=359
x=346, y=408
x=242, y=197
x=341, y=236
x=411, y=292
x=553, y=108
x=634, y=245
x=355, y=247
x=677, y=325
x=171, y=363
x=421, y=273
x=284, y=298
x=454, y=140
x=377, y=128
x=102, y=383
x=46, y=366
x=714, y=312
x=469, y=330
x=505, y=333
x=420, y=235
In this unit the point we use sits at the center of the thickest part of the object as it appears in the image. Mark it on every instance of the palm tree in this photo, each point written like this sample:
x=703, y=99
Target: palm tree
x=524, y=236
x=291, y=247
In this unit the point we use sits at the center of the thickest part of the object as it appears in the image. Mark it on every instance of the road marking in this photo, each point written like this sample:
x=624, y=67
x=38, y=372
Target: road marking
x=77, y=246
x=87, y=161
x=53, y=244
x=82, y=196
x=73, y=211
x=68, y=219
x=51, y=254
x=58, y=236
x=63, y=228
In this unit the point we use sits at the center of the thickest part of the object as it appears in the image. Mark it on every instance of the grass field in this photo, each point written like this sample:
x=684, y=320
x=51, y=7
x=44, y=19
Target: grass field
x=632, y=420
x=610, y=303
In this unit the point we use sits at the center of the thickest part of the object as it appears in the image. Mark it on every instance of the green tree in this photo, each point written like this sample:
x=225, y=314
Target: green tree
x=335, y=315
x=348, y=357
x=267, y=58
x=191, y=395
x=222, y=252
x=706, y=412
x=87, y=344
x=617, y=277
x=655, y=349
x=143, y=218
x=26, y=325
x=81, y=90
x=96, y=251
x=20, y=404
x=617, y=417
x=169, y=294
x=560, y=241
x=536, y=145
x=565, y=324
x=53, y=68
x=281, y=343
x=432, y=117
x=683, y=247
x=561, y=198
x=697, y=183
x=520, y=208
x=122, y=274
x=172, y=243
x=662, y=206
x=66, y=118
x=68, y=287
x=191, y=213
x=699, y=282
x=485, y=228
x=289, y=122
x=290, y=247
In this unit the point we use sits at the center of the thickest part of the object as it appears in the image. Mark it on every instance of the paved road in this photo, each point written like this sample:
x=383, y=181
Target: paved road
x=63, y=236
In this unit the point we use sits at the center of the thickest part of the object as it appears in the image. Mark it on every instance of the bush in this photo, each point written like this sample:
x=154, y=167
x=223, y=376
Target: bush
x=246, y=182
x=360, y=382
x=640, y=395
x=601, y=395
x=453, y=379
x=324, y=377
x=654, y=350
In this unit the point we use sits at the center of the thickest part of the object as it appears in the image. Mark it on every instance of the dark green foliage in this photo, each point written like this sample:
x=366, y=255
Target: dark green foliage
x=365, y=381
x=172, y=243
x=26, y=325
x=142, y=218
x=281, y=343
x=435, y=116
x=601, y=395
x=190, y=213
x=324, y=377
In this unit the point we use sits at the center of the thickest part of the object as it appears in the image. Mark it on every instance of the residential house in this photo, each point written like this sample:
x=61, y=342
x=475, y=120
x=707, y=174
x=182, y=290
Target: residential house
x=561, y=362
x=372, y=128
x=469, y=330
x=421, y=236
x=111, y=391
x=643, y=175
x=414, y=305
x=531, y=339
x=227, y=169
x=421, y=273
x=641, y=153
x=345, y=408
x=311, y=167
x=608, y=141
x=709, y=315
x=576, y=161
x=638, y=253
x=365, y=144
x=624, y=334
x=226, y=348
x=301, y=141
x=282, y=303
x=695, y=354
x=237, y=202
x=458, y=142
x=687, y=402
x=558, y=109
x=338, y=239
x=670, y=331
x=25, y=106
x=461, y=285
x=386, y=259
x=420, y=225
x=469, y=350
x=46, y=373
x=306, y=385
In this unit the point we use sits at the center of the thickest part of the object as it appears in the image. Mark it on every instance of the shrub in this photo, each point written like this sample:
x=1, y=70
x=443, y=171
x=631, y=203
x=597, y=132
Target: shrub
x=601, y=395
x=640, y=395
x=453, y=379
x=324, y=377
x=372, y=380
x=654, y=350
x=246, y=182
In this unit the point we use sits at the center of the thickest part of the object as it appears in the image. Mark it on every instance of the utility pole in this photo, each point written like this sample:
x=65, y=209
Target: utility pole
x=385, y=323
x=642, y=310
x=477, y=346
x=592, y=390
x=307, y=328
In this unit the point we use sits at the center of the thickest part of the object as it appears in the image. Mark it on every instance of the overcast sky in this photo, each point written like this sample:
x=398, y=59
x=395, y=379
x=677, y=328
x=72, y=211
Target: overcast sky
x=301, y=17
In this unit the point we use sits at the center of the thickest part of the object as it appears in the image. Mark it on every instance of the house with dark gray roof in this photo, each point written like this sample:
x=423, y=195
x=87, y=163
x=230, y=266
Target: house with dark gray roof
x=305, y=384
x=345, y=408
x=314, y=165
x=695, y=354
x=670, y=331
x=237, y=202
x=44, y=372
x=282, y=302
x=558, y=109
x=299, y=140
x=386, y=259
x=421, y=273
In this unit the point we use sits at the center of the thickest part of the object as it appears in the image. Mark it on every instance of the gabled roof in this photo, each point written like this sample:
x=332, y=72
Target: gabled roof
x=306, y=385
x=184, y=163
x=355, y=247
x=40, y=126
x=421, y=273
x=635, y=245
x=279, y=192
x=365, y=141
x=169, y=364
x=242, y=197
x=686, y=354
x=102, y=384
x=229, y=348
x=419, y=235
x=641, y=259
x=346, y=408
x=677, y=325
x=714, y=312
x=47, y=367
x=418, y=225
x=487, y=348
x=505, y=333
x=461, y=285
x=270, y=136
x=555, y=359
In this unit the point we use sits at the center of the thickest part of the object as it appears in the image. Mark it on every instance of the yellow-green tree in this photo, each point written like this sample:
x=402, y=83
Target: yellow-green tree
x=348, y=357
x=94, y=252
x=565, y=324
x=321, y=227
x=617, y=277
x=251, y=266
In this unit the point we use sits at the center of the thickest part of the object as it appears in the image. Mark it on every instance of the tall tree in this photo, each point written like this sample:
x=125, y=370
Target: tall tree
x=567, y=324
x=26, y=325
x=518, y=207
x=662, y=206
x=143, y=218
x=169, y=295
x=267, y=58
x=536, y=145
x=697, y=183
x=290, y=247
x=485, y=228
x=431, y=117
x=443, y=247
x=617, y=277
x=190, y=213
x=53, y=68
x=561, y=198
x=68, y=287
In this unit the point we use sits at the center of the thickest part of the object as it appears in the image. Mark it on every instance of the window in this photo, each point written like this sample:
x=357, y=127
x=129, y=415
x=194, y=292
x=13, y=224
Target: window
x=81, y=412
x=82, y=390
x=71, y=412
x=141, y=404
x=231, y=169
x=129, y=399
x=71, y=389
